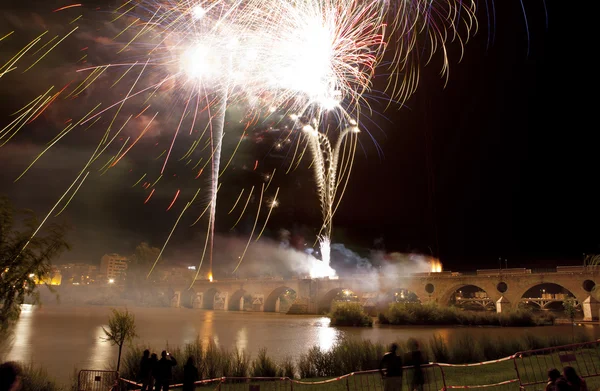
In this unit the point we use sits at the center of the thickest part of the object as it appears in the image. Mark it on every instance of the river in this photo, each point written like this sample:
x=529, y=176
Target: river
x=61, y=338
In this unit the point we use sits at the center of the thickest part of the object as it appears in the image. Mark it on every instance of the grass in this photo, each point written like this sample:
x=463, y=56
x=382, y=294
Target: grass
x=431, y=314
x=350, y=314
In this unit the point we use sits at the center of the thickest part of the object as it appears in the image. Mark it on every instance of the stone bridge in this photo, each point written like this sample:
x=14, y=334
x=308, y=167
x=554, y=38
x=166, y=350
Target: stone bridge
x=505, y=288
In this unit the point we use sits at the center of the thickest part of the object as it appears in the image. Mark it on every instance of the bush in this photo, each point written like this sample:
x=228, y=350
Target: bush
x=439, y=349
x=240, y=364
x=288, y=369
x=263, y=365
x=37, y=379
x=431, y=314
x=350, y=314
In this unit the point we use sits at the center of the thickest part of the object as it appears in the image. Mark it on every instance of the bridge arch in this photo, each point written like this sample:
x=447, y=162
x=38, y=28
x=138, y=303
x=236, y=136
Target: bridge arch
x=545, y=296
x=573, y=285
x=235, y=301
x=187, y=297
x=271, y=299
x=452, y=292
x=208, y=299
x=325, y=302
x=398, y=295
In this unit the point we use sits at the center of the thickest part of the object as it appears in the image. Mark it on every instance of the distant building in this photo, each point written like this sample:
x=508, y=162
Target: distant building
x=79, y=273
x=54, y=277
x=113, y=268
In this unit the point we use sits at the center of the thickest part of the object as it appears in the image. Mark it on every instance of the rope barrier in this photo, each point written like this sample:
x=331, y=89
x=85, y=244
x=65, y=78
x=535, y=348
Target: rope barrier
x=485, y=385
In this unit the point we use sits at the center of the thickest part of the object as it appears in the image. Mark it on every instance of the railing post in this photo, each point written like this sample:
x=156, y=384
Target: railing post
x=348, y=381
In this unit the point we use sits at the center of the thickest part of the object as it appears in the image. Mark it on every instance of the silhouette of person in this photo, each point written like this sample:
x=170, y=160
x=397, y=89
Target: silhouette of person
x=10, y=376
x=153, y=365
x=163, y=371
x=416, y=359
x=146, y=371
x=576, y=383
x=553, y=376
x=392, y=363
x=190, y=375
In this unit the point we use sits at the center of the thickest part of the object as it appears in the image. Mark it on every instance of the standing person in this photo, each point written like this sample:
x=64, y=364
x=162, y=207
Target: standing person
x=146, y=371
x=163, y=371
x=190, y=375
x=153, y=364
x=576, y=383
x=553, y=376
x=416, y=359
x=10, y=376
x=392, y=363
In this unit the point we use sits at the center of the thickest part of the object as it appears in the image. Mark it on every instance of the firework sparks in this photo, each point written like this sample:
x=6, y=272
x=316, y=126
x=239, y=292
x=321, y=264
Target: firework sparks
x=309, y=58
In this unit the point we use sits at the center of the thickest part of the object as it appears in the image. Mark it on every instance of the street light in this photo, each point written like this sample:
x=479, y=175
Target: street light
x=111, y=281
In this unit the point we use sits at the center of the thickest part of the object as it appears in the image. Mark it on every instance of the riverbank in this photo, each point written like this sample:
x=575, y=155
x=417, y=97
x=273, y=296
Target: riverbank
x=74, y=334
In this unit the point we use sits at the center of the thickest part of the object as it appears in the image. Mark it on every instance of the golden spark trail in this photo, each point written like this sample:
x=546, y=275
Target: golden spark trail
x=136, y=140
x=273, y=203
x=236, y=201
x=44, y=45
x=6, y=36
x=52, y=210
x=253, y=228
x=204, y=211
x=172, y=230
x=139, y=180
x=203, y=253
x=49, y=50
x=243, y=210
x=72, y=195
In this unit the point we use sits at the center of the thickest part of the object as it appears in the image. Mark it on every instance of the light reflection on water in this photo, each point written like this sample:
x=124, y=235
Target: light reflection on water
x=22, y=334
x=62, y=337
x=326, y=335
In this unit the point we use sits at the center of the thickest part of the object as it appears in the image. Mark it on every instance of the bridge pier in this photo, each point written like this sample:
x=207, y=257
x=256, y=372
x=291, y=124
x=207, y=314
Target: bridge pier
x=197, y=300
x=258, y=303
x=591, y=306
x=221, y=301
x=176, y=299
x=502, y=304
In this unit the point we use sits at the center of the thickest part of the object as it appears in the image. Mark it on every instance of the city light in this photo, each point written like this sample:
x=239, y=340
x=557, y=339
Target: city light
x=111, y=281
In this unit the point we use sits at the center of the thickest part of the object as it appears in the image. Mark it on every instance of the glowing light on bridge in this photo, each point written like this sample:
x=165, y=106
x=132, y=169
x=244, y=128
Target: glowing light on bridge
x=436, y=265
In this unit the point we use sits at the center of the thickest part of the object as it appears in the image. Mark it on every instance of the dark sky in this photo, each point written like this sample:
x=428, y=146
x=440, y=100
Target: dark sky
x=497, y=164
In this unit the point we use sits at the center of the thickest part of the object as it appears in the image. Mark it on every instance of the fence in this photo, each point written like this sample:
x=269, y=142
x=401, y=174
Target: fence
x=531, y=366
x=525, y=371
x=96, y=380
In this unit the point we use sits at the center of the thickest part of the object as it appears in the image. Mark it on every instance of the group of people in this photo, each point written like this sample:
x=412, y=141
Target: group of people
x=569, y=380
x=156, y=375
x=391, y=367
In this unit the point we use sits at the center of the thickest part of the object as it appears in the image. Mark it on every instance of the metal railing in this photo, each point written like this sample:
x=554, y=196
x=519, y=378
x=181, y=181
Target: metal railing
x=96, y=380
x=532, y=365
x=530, y=374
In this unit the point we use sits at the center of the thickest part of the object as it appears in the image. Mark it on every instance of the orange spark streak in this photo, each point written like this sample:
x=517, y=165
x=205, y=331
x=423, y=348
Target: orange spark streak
x=141, y=112
x=174, y=199
x=67, y=7
x=148, y=199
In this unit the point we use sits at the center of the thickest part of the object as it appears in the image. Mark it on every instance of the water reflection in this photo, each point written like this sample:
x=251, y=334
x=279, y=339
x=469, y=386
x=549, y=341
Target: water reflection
x=241, y=340
x=327, y=336
x=21, y=348
x=101, y=352
x=207, y=329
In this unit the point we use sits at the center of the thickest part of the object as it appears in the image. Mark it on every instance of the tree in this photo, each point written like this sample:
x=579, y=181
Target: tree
x=140, y=262
x=24, y=258
x=570, y=304
x=121, y=329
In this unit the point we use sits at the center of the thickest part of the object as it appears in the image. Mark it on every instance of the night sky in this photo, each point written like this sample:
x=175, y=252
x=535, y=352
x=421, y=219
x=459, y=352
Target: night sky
x=496, y=164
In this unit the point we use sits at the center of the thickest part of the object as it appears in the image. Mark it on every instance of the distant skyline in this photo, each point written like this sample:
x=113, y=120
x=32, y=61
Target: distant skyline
x=497, y=164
